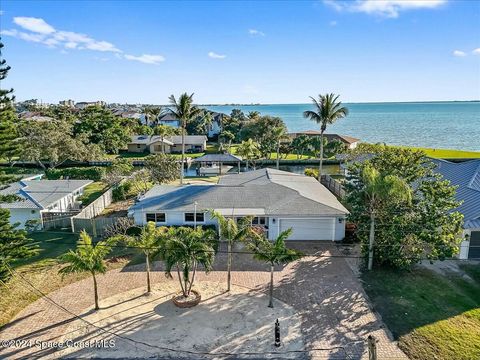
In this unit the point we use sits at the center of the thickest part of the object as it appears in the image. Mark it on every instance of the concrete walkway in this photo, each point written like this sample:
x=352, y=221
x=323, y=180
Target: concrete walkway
x=328, y=298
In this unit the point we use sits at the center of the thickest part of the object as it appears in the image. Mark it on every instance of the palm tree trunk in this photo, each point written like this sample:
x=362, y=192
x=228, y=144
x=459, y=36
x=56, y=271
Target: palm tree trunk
x=229, y=264
x=181, y=281
x=371, y=241
x=246, y=164
x=95, y=291
x=320, y=166
x=270, y=304
x=183, y=152
x=193, y=276
x=148, y=273
x=278, y=154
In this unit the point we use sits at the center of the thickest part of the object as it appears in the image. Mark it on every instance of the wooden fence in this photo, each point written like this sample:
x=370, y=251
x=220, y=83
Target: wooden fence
x=85, y=219
x=333, y=185
x=95, y=227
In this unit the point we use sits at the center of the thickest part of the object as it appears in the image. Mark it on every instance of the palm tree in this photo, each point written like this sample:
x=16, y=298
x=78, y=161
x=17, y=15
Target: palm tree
x=327, y=110
x=278, y=134
x=248, y=150
x=185, y=249
x=155, y=112
x=146, y=113
x=377, y=189
x=148, y=242
x=231, y=232
x=87, y=257
x=274, y=253
x=183, y=110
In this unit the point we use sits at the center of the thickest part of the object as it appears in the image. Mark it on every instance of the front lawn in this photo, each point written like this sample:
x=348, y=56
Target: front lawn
x=448, y=154
x=433, y=316
x=42, y=271
x=92, y=192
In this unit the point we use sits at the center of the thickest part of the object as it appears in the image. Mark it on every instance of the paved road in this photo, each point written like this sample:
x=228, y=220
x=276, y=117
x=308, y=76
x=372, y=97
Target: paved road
x=335, y=312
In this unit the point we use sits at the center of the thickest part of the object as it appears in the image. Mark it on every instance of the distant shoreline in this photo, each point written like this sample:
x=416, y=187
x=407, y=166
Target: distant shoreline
x=361, y=102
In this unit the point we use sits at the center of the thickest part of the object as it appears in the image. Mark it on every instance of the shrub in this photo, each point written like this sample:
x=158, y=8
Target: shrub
x=94, y=173
x=311, y=172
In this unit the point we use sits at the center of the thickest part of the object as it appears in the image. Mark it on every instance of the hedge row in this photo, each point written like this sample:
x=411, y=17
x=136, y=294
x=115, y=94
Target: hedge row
x=94, y=173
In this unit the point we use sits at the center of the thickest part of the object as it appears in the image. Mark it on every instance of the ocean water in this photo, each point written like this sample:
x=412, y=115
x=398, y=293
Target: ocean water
x=448, y=125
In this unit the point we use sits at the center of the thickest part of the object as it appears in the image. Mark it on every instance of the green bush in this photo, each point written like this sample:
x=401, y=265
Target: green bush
x=311, y=172
x=122, y=191
x=94, y=173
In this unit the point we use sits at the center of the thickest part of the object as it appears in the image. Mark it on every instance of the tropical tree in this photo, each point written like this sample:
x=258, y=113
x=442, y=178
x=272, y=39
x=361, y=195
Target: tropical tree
x=185, y=111
x=380, y=188
x=87, y=257
x=148, y=242
x=9, y=145
x=248, y=150
x=163, y=168
x=14, y=243
x=278, y=134
x=155, y=112
x=405, y=232
x=301, y=144
x=185, y=249
x=274, y=253
x=226, y=137
x=52, y=143
x=327, y=110
x=231, y=232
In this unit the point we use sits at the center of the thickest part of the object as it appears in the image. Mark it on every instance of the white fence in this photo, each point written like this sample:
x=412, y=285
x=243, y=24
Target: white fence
x=85, y=219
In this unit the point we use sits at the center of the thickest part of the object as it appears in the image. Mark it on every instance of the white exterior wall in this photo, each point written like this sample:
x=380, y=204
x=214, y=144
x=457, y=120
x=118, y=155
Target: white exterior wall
x=22, y=215
x=464, y=245
x=214, y=129
x=274, y=228
x=172, y=218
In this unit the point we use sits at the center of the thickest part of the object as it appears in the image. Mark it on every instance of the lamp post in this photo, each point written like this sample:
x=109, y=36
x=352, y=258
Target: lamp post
x=195, y=215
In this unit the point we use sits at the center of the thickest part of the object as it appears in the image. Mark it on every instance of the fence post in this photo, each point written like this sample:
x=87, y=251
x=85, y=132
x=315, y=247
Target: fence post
x=372, y=347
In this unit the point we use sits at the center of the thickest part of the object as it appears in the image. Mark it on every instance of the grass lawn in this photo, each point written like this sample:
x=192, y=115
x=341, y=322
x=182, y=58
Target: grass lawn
x=92, y=192
x=42, y=271
x=432, y=316
x=449, y=154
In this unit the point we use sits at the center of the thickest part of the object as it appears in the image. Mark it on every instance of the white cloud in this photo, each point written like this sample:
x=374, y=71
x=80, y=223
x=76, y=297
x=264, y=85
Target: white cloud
x=384, y=8
x=255, y=32
x=36, y=25
x=213, y=55
x=333, y=23
x=146, y=58
x=41, y=32
x=476, y=51
x=459, y=53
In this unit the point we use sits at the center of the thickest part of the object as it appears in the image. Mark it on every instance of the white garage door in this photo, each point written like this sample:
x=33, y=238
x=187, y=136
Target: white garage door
x=309, y=229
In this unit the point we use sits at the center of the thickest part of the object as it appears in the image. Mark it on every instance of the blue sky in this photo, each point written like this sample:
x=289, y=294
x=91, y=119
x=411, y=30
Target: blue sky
x=242, y=52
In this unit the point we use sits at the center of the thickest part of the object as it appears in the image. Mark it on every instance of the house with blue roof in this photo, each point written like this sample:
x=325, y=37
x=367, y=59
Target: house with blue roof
x=466, y=176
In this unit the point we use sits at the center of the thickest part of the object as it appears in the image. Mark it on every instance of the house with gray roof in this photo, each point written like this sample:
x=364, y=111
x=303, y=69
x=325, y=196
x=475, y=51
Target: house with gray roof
x=155, y=144
x=278, y=200
x=466, y=176
x=42, y=199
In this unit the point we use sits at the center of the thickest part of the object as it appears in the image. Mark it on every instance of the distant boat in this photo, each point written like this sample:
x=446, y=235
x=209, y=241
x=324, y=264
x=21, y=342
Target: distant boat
x=213, y=170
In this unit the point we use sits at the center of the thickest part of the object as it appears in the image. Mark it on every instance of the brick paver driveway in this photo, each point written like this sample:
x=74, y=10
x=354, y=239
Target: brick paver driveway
x=336, y=317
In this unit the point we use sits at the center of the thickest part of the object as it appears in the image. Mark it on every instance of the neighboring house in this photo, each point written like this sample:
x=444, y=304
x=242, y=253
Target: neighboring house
x=171, y=144
x=34, y=116
x=466, y=176
x=169, y=119
x=42, y=200
x=216, y=126
x=278, y=200
x=69, y=103
x=349, y=141
x=213, y=130
x=83, y=104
